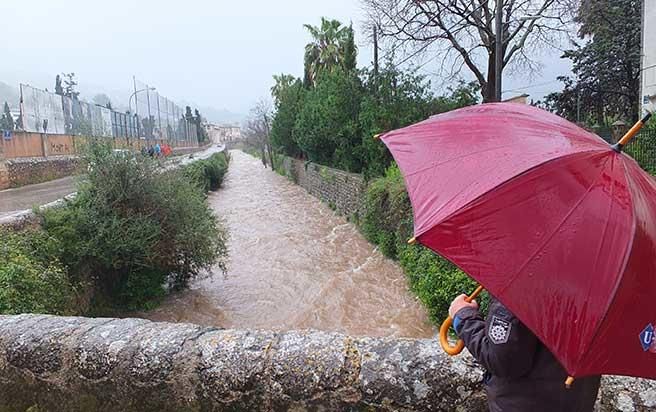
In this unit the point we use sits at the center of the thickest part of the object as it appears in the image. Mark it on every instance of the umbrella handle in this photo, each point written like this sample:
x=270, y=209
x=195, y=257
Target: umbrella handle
x=446, y=325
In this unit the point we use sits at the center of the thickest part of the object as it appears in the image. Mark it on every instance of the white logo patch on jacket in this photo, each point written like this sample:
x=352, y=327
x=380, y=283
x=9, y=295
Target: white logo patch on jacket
x=499, y=330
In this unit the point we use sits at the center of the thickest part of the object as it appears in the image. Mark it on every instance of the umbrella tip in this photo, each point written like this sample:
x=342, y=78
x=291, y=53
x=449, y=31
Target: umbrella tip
x=412, y=241
x=569, y=381
x=377, y=136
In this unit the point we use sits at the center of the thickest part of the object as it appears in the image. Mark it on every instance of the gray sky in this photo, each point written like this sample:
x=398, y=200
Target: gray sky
x=212, y=53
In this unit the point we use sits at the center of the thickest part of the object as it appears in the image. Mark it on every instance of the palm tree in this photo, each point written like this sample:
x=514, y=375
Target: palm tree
x=283, y=82
x=326, y=51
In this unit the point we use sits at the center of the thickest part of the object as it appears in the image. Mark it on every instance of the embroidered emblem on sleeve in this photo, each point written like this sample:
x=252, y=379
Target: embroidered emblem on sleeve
x=499, y=330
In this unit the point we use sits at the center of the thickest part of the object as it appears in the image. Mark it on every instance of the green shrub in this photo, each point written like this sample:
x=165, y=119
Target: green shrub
x=435, y=280
x=208, y=173
x=30, y=281
x=387, y=222
x=133, y=230
x=387, y=216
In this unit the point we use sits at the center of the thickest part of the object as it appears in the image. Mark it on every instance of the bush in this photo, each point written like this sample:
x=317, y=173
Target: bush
x=387, y=222
x=133, y=230
x=30, y=281
x=208, y=173
x=387, y=216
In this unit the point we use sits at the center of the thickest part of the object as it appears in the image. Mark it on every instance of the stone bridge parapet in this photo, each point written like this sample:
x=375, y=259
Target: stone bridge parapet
x=51, y=363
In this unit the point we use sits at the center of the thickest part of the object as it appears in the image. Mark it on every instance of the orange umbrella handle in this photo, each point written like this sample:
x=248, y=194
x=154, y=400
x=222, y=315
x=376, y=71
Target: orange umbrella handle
x=446, y=325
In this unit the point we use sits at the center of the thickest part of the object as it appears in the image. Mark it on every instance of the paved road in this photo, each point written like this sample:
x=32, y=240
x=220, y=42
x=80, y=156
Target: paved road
x=19, y=199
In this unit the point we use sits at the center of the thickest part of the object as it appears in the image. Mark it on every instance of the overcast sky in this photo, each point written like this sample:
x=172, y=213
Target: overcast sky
x=213, y=53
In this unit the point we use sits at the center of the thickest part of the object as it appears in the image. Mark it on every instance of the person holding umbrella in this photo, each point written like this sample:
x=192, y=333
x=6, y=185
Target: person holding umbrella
x=521, y=374
x=559, y=227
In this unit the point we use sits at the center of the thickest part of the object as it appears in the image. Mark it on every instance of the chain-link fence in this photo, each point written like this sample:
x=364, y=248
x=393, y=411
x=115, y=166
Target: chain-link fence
x=154, y=117
x=160, y=118
x=643, y=149
x=124, y=125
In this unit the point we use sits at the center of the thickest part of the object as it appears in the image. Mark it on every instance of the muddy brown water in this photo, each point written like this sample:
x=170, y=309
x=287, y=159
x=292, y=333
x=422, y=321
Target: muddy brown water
x=294, y=264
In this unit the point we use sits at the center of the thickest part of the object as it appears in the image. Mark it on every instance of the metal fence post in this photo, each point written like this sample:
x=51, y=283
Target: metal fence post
x=136, y=104
x=150, y=125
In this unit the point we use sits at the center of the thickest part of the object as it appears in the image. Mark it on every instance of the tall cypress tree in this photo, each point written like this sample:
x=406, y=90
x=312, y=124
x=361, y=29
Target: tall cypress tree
x=350, y=50
x=7, y=121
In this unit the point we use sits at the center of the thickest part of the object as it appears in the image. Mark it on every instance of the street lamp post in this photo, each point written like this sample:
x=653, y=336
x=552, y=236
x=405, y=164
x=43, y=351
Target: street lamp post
x=134, y=94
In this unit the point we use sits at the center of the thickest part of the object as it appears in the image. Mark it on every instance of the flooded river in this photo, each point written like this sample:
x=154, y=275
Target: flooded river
x=294, y=264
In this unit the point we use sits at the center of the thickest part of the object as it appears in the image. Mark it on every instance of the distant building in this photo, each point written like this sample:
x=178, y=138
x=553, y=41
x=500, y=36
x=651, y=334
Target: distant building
x=521, y=99
x=648, y=84
x=223, y=133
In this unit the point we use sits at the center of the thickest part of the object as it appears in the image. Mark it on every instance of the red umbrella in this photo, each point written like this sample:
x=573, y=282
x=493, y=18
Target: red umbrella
x=555, y=223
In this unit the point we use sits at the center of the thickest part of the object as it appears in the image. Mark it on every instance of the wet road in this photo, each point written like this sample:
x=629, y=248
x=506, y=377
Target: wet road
x=21, y=198
x=294, y=264
x=26, y=197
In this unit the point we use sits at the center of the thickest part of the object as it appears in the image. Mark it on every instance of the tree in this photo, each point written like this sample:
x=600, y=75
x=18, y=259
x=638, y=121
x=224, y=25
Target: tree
x=148, y=126
x=606, y=82
x=201, y=133
x=395, y=99
x=462, y=33
x=327, y=50
x=58, y=86
x=6, y=120
x=350, y=51
x=326, y=128
x=282, y=83
x=257, y=130
x=288, y=94
x=101, y=99
x=70, y=82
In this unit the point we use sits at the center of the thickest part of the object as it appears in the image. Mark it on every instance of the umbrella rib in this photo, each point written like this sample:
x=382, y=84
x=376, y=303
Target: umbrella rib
x=553, y=233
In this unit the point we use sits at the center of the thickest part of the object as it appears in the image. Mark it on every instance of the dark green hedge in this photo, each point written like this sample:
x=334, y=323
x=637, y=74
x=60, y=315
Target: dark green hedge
x=208, y=173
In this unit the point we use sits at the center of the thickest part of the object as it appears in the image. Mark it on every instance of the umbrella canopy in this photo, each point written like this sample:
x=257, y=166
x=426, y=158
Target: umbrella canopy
x=550, y=219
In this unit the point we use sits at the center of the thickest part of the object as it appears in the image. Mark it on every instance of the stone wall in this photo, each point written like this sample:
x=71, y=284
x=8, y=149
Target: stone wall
x=51, y=363
x=21, y=171
x=343, y=191
x=27, y=171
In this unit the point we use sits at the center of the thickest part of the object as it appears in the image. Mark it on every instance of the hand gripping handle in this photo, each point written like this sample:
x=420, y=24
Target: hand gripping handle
x=446, y=325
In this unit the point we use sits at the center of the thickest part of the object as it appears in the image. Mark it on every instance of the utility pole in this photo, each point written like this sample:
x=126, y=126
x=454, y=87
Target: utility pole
x=375, y=51
x=498, y=50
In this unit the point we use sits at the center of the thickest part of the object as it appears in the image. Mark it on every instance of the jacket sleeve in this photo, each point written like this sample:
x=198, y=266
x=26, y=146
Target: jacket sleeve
x=501, y=344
